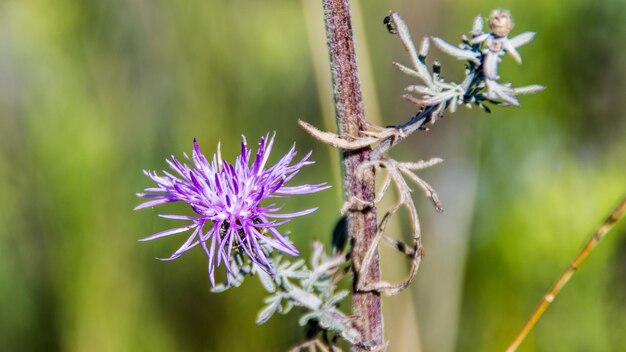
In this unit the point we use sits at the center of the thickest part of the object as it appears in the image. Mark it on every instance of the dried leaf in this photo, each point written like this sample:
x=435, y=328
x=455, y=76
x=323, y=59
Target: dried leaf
x=336, y=140
x=422, y=164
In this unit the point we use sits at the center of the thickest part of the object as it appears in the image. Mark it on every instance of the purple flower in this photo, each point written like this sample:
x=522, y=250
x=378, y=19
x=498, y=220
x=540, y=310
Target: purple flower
x=227, y=200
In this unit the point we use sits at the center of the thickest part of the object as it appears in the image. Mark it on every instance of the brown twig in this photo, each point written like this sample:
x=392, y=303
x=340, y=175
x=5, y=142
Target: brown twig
x=366, y=306
x=617, y=214
x=395, y=172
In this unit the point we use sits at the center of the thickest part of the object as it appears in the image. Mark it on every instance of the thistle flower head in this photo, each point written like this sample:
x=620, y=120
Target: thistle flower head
x=227, y=201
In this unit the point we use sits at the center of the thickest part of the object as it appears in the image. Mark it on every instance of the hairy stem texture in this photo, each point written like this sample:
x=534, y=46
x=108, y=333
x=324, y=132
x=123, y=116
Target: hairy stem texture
x=366, y=306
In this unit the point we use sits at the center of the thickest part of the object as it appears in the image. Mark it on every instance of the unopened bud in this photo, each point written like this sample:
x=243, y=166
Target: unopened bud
x=500, y=22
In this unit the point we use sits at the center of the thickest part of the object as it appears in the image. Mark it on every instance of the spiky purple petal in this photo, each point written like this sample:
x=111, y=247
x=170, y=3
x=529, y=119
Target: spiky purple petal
x=227, y=197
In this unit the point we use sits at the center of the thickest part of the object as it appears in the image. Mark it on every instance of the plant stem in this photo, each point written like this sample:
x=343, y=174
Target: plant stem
x=405, y=130
x=366, y=306
x=606, y=226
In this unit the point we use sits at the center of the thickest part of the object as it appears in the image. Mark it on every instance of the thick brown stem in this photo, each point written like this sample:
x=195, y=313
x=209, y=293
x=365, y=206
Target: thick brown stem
x=366, y=306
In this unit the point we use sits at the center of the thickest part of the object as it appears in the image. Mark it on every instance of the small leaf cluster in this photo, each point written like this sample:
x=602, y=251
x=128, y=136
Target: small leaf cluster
x=294, y=284
x=482, y=52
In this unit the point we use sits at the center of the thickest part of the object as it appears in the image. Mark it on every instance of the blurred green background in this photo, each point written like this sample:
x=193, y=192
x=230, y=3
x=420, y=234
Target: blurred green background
x=92, y=92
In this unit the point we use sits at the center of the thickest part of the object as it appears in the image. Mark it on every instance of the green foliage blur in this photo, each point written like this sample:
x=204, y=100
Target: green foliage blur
x=92, y=92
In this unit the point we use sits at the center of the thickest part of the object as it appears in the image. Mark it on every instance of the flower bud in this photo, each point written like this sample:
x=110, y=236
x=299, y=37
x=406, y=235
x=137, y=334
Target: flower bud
x=500, y=22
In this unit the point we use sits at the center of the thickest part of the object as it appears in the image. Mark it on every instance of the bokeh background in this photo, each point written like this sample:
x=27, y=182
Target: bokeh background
x=92, y=92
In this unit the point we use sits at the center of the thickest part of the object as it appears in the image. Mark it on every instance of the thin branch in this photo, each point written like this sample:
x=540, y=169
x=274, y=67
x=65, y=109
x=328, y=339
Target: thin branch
x=617, y=214
x=395, y=172
x=405, y=130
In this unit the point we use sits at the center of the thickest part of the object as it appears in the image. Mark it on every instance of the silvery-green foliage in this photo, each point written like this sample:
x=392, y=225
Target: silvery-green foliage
x=265, y=278
x=331, y=319
x=311, y=289
x=294, y=284
x=482, y=52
